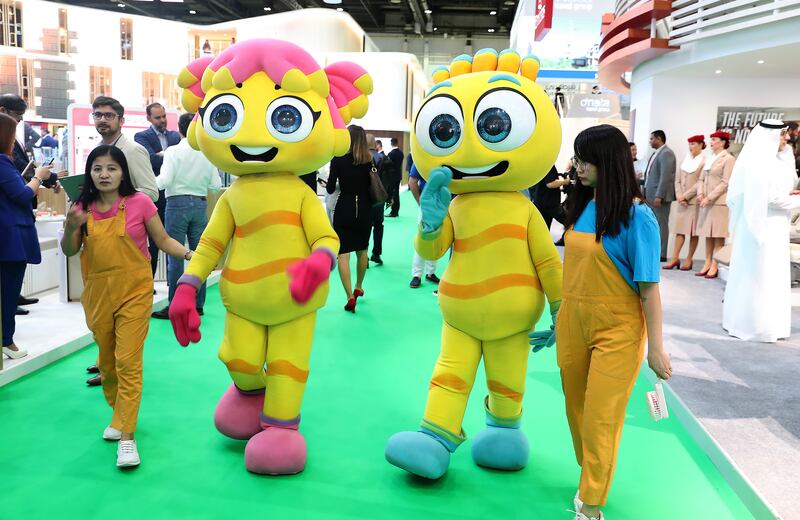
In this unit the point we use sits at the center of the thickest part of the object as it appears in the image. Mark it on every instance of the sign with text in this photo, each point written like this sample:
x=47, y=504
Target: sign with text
x=543, y=18
x=602, y=106
x=83, y=137
x=740, y=121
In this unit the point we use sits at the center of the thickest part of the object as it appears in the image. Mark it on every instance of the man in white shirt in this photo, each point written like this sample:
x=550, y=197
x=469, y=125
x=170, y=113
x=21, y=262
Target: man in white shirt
x=186, y=177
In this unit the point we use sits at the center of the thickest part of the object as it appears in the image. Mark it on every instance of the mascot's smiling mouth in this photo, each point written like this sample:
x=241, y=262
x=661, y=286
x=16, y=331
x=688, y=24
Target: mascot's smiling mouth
x=482, y=172
x=253, y=153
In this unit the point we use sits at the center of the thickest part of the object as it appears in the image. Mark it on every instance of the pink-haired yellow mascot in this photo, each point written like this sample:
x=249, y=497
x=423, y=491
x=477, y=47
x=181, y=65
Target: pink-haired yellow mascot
x=266, y=112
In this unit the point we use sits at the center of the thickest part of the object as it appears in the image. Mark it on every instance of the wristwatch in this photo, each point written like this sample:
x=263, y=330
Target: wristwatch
x=186, y=254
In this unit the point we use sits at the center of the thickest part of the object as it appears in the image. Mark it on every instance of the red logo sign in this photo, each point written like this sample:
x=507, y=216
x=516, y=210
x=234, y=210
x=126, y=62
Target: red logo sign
x=544, y=18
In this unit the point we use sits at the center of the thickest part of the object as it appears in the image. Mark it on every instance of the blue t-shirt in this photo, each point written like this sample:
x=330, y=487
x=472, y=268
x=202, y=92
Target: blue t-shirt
x=636, y=250
x=414, y=173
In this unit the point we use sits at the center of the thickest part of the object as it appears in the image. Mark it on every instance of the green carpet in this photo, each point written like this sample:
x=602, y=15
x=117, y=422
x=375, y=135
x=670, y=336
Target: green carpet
x=369, y=379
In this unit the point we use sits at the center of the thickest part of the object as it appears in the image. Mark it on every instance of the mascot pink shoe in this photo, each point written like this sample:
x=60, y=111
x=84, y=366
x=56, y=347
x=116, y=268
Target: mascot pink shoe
x=278, y=450
x=238, y=413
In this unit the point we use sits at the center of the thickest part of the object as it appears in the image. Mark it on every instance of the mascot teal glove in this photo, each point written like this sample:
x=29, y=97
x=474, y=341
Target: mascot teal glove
x=545, y=338
x=435, y=199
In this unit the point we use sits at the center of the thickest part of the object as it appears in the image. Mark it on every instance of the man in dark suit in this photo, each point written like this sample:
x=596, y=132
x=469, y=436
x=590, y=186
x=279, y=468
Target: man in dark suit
x=659, y=184
x=395, y=176
x=155, y=140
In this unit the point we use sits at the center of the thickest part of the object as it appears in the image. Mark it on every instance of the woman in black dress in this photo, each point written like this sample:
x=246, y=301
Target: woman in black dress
x=352, y=218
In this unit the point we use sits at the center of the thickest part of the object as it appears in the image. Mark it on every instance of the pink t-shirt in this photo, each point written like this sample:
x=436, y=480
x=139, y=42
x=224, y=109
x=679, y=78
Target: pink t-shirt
x=138, y=210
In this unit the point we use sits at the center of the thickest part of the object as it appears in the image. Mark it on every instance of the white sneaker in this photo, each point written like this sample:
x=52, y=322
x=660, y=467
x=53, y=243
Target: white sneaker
x=578, y=502
x=112, y=434
x=127, y=454
x=578, y=506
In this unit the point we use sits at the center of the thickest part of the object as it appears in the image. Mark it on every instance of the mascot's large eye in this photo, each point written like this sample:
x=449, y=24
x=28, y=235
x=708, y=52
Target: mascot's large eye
x=504, y=119
x=290, y=119
x=223, y=117
x=439, y=126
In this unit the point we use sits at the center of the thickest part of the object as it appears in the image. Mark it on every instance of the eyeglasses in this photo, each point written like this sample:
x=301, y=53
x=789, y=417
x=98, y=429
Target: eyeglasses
x=578, y=163
x=108, y=116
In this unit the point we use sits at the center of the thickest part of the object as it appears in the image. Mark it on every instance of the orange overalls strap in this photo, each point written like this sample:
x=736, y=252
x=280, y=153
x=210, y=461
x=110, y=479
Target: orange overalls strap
x=600, y=343
x=117, y=300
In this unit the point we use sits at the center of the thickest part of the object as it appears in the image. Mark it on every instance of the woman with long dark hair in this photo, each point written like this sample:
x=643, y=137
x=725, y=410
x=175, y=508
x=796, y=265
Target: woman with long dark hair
x=610, y=302
x=110, y=222
x=352, y=218
x=19, y=244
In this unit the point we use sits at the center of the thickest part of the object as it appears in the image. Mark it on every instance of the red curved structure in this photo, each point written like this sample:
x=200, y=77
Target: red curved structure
x=628, y=41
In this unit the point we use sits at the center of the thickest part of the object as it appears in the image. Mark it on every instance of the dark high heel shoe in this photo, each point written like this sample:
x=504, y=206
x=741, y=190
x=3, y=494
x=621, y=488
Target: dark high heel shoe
x=712, y=276
x=702, y=273
x=672, y=265
x=686, y=267
x=351, y=305
x=358, y=293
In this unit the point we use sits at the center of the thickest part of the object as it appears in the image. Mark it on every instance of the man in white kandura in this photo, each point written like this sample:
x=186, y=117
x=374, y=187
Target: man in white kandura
x=761, y=195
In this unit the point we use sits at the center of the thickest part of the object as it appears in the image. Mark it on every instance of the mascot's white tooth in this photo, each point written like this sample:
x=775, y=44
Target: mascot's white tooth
x=480, y=169
x=254, y=150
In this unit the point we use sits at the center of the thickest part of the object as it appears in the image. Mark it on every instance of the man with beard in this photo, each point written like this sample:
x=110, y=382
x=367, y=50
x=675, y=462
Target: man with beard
x=109, y=116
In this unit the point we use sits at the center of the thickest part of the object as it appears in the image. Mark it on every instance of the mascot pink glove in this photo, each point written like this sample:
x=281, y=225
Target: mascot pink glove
x=183, y=314
x=307, y=275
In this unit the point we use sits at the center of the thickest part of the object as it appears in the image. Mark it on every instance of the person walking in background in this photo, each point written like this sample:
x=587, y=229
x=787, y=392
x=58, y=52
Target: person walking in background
x=109, y=225
x=611, y=306
x=686, y=211
x=352, y=218
x=762, y=195
x=416, y=184
x=156, y=140
x=712, y=190
x=19, y=243
x=546, y=195
x=380, y=162
x=659, y=184
x=186, y=178
x=395, y=177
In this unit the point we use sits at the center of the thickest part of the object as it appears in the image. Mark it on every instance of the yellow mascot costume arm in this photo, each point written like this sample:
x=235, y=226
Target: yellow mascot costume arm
x=431, y=246
x=484, y=132
x=212, y=244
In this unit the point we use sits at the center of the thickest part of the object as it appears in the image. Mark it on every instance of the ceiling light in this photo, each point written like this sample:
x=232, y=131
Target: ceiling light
x=435, y=28
x=428, y=11
x=492, y=13
x=760, y=62
x=120, y=5
x=332, y=1
x=491, y=30
x=192, y=12
x=718, y=71
x=268, y=9
x=339, y=9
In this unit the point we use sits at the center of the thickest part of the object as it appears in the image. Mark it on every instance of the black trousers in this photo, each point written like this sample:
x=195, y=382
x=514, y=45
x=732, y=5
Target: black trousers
x=377, y=230
x=11, y=277
x=161, y=204
x=394, y=194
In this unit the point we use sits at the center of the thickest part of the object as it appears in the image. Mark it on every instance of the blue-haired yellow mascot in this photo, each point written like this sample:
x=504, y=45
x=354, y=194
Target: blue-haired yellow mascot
x=484, y=132
x=267, y=113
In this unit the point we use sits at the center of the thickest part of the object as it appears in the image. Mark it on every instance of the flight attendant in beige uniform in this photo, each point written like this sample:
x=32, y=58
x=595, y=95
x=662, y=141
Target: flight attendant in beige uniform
x=712, y=191
x=685, y=206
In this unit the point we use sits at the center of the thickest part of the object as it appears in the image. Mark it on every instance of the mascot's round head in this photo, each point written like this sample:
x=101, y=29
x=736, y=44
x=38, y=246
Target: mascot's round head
x=489, y=122
x=265, y=106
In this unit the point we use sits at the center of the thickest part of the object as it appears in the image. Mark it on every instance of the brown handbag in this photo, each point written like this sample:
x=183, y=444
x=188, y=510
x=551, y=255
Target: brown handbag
x=377, y=192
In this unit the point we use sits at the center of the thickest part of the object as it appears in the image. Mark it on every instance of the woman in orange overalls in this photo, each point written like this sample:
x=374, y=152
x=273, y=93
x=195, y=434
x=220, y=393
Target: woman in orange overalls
x=610, y=306
x=111, y=220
